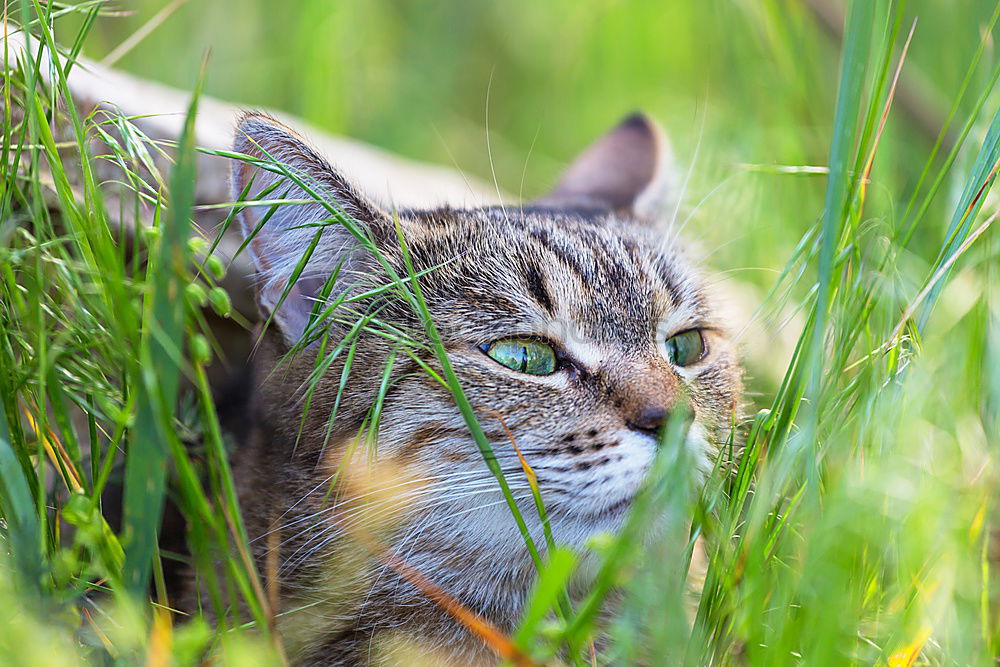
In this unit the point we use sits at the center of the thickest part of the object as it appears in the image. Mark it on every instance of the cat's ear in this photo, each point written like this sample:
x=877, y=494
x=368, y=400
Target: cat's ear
x=628, y=170
x=280, y=235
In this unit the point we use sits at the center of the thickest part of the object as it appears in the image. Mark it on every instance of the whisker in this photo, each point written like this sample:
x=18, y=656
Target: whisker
x=332, y=532
x=337, y=525
x=454, y=162
x=704, y=199
x=421, y=481
x=680, y=197
x=489, y=148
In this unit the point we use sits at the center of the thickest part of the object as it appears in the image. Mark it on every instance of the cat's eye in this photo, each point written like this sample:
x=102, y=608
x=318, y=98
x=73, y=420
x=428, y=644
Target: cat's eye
x=523, y=355
x=686, y=348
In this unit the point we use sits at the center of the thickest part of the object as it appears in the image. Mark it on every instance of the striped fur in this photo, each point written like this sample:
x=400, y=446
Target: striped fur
x=583, y=269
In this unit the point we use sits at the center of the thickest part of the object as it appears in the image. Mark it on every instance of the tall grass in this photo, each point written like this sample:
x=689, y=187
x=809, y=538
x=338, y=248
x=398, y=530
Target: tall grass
x=854, y=528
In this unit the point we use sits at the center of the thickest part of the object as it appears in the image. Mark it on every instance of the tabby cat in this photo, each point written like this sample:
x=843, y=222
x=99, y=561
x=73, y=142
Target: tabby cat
x=574, y=327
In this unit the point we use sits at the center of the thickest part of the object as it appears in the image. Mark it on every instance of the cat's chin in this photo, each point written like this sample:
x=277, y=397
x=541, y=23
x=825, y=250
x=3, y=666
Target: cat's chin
x=609, y=515
x=616, y=510
x=608, y=518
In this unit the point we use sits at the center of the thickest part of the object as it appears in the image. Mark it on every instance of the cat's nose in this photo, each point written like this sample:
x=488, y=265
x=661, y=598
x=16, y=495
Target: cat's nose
x=650, y=420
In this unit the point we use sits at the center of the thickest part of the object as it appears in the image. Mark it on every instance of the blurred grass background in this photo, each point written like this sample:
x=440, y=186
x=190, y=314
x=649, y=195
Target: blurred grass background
x=414, y=77
x=858, y=526
x=736, y=84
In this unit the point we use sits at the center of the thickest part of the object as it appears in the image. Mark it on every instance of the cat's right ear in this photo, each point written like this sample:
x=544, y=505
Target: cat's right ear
x=629, y=170
x=279, y=235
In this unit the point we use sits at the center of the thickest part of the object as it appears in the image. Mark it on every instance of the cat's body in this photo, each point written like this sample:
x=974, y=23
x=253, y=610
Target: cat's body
x=571, y=323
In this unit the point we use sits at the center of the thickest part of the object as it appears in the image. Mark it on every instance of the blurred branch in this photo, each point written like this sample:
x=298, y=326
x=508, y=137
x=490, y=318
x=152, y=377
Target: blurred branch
x=158, y=111
x=914, y=96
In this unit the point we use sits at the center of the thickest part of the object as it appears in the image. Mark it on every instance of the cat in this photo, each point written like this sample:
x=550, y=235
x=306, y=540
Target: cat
x=574, y=327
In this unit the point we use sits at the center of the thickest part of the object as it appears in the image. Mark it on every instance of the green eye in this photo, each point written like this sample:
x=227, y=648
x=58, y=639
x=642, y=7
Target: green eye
x=686, y=348
x=525, y=356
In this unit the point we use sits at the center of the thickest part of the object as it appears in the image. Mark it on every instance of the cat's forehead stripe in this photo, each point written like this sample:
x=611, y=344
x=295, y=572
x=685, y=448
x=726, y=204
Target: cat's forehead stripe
x=568, y=256
x=536, y=287
x=613, y=281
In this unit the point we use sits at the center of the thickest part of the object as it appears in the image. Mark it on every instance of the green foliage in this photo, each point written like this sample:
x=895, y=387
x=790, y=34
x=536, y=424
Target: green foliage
x=854, y=529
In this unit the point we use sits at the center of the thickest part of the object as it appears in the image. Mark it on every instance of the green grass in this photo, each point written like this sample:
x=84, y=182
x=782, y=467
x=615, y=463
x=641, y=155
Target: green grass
x=856, y=526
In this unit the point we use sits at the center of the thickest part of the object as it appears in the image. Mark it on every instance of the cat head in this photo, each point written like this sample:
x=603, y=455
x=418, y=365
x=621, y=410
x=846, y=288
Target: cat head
x=574, y=325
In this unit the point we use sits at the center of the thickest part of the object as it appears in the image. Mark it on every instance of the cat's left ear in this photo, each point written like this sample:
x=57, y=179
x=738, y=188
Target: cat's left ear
x=629, y=170
x=295, y=193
